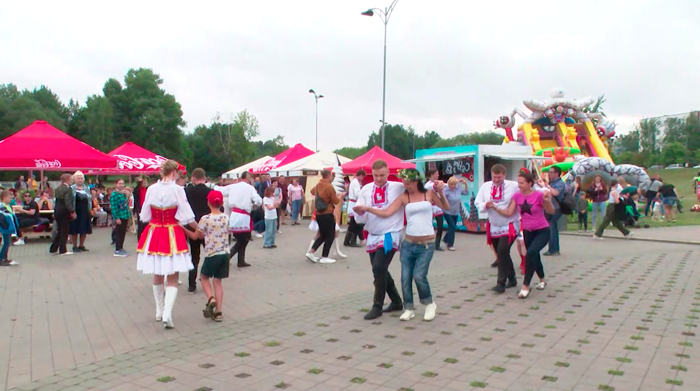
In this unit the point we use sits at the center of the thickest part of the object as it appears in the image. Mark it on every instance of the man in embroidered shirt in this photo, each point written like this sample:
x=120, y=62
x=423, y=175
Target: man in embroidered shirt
x=501, y=231
x=242, y=197
x=384, y=236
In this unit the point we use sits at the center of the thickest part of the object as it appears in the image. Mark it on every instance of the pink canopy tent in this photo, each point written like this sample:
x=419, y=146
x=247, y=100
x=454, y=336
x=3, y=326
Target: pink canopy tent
x=42, y=147
x=133, y=160
x=365, y=162
x=289, y=156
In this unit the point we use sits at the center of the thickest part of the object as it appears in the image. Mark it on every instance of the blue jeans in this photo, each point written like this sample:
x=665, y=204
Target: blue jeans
x=415, y=261
x=296, y=209
x=6, y=239
x=270, y=232
x=598, y=210
x=554, y=231
x=451, y=228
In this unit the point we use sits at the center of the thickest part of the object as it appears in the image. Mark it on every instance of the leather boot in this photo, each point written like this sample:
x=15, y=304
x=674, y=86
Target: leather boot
x=393, y=306
x=158, y=295
x=170, y=297
x=374, y=313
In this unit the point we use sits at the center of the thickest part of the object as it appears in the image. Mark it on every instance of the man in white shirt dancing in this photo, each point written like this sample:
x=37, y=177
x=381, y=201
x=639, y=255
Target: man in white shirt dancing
x=501, y=231
x=354, y=229
x=384, y=236
x=241, y=198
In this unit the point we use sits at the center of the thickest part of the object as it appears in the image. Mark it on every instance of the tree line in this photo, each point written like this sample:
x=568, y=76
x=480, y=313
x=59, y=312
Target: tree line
x=660, y=141
x=138, y=109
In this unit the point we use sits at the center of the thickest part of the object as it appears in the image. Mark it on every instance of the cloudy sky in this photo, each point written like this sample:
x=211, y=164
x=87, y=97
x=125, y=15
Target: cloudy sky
x=453, y=66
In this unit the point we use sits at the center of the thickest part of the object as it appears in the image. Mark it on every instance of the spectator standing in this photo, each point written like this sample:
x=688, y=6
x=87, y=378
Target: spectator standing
x=121, y=214
x=282, y=210
x=295, y=193
x=557, y=188
x=64, y=212
x=81, y=226
x=197, y=198
x=456, y=187
x=21, y=184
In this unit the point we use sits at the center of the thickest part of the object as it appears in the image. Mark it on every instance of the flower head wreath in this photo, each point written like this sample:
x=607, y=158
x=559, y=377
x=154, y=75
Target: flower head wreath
x=409, y=175
x=524, y=171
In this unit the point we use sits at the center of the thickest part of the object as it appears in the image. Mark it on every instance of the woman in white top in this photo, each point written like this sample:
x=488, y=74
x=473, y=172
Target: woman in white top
x=162, y=249
x=419, y=243
x=296, y=196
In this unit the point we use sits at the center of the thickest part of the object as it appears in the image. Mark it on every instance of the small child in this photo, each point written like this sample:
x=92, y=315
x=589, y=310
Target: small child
x=213, y=228
x=8, y=227
x=582, y=209
x=270, y=205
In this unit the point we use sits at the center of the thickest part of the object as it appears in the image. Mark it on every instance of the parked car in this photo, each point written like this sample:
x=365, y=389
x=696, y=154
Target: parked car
x=656, y=167
x=674, y=166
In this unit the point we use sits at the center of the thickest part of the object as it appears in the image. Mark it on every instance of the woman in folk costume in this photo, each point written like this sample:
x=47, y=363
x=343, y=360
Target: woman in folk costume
x=162, y=249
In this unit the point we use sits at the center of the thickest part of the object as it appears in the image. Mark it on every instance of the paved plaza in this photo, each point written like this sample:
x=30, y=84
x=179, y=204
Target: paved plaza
x=616, y=315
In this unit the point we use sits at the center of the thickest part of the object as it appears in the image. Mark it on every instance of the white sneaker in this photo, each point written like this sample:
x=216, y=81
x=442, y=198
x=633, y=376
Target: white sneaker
x=12, y=263
x=408, y=315
x=629, y=235
x=326, y=260
x=451, y=249
x=257, y=235
x=279, y=232
x=311, y=257
x=19, y=242
x=68, y=253
x=430, y=311
x=596, y=237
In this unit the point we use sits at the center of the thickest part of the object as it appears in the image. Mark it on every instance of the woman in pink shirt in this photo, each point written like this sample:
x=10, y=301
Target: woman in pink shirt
x=532, y=205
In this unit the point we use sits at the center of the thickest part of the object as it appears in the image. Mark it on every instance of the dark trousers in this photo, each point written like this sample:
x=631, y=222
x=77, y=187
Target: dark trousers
x=242, y=240
x=451, y=229
x=195, y=252
x=438, y=233
x=59, y=242
x=383, y=283
x=326, y=233
x=611, y=218
x=141, y=226
x=583, y=220
x=649, y=195
x=534, y=243
x=506, y=271
x=354, y=232
x=120, y=234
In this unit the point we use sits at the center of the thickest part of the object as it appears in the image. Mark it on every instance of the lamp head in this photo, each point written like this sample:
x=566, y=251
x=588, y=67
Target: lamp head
x=311, y=91
x=320, y=96
x=368, y=13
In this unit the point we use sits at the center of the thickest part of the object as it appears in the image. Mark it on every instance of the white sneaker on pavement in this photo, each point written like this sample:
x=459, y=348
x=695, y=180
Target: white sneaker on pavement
x=629, y=235
x=326, y=260
x=257, y=235
x=311, y=257
x=430, y=311
x=408, y=315
x=19, y=242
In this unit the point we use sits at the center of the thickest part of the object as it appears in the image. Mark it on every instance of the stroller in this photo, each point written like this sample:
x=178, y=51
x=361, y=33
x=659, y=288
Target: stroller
x=633, y=216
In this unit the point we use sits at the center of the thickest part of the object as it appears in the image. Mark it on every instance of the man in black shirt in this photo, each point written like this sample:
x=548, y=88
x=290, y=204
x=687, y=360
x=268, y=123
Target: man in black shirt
x=197, y=197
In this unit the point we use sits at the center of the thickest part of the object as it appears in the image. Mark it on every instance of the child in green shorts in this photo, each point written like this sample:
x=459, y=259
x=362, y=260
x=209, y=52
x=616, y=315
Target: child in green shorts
x=214, y=229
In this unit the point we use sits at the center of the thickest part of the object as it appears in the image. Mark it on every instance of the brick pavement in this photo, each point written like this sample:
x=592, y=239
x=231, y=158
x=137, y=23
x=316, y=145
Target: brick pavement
x=617, y=315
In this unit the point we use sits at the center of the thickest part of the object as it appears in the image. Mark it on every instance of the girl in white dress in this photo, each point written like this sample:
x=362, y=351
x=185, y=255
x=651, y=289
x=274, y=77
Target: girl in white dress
x=162, y=249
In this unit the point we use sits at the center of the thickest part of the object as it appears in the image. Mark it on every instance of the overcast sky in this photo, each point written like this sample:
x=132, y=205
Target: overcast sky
x=452, y=67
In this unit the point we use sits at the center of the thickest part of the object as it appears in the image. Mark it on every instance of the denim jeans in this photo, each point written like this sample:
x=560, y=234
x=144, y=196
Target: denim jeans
x=554, y=231
x=6, y=239
x=598, y=210
x=296, y=209
x=415, y=261
x=451, y=228
x=270, y=232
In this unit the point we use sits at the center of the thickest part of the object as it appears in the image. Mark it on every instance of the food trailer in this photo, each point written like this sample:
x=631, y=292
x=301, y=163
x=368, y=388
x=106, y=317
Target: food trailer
x=473, y=163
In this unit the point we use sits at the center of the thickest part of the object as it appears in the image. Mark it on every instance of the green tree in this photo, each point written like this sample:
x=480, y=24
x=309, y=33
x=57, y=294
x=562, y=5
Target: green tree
x=674, y=152
x=476, y=138
x=98, y=123
x=627, y=142
x=270, y=147
x=649, y=134
x=351, y=152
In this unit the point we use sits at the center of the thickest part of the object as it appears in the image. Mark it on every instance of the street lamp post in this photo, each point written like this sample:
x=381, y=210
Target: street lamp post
x=384, y=16
x=316, y=97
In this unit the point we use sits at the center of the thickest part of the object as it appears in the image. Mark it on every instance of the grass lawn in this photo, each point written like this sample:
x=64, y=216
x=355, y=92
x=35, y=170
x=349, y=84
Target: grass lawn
x=682, y=179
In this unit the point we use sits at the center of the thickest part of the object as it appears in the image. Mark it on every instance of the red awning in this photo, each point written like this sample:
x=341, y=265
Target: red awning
x=289, y=156
x=133, y=160
x=365, y=162
x=40, y=146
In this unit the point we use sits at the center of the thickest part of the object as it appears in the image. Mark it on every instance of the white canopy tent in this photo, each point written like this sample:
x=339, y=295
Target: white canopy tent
x=236, y=172
x=310, y=165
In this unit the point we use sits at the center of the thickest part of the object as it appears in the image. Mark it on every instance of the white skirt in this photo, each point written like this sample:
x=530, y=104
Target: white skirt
x=162, y=265
x=376, y=242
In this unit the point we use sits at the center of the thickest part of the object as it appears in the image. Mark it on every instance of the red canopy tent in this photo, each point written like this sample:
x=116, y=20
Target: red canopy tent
x=289, y=156
x=42, y=147
x=133, y=160
x=365, y=161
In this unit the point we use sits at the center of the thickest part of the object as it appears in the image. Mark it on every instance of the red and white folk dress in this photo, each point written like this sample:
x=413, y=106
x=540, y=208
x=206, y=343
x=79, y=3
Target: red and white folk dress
x=162, y=247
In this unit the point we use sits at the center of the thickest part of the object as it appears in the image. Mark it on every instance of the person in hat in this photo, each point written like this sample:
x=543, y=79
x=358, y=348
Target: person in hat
x=213, y=228
x=616, y=212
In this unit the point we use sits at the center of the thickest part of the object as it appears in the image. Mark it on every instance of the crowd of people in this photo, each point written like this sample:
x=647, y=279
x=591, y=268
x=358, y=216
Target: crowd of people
x=177, y=224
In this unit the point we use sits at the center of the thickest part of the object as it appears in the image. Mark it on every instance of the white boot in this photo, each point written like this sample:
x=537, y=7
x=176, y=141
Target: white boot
x=158, y=292
x=170, y=297
x=337, y=249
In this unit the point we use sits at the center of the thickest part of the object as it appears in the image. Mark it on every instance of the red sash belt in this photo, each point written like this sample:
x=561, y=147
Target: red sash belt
x=241, y=211
x=511, y=233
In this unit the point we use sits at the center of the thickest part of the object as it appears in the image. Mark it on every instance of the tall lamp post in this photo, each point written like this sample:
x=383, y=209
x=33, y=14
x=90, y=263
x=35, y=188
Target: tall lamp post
x=316, y=97
x=384, y=15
